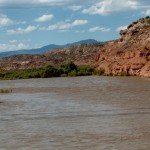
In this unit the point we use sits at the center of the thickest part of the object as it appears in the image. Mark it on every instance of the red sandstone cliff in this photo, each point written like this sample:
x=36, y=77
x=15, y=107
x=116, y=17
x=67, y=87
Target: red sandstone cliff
x=130, y=55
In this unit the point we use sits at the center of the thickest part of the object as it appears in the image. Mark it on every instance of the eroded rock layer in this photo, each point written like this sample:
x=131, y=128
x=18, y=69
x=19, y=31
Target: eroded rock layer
x=130, y=55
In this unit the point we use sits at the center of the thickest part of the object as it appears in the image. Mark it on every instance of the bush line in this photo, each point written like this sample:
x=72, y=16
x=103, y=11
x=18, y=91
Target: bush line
x=68, y=69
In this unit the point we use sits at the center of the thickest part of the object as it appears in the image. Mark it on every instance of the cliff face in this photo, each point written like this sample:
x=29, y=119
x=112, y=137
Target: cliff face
x=130, y=55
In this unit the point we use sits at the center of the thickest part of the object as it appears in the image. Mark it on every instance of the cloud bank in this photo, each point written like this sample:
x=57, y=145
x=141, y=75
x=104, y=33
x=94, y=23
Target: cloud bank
x=12, y=46
x=22, y=30
x=121, y=28
x=101, y=29
x=66, y=25
x=147, y=12
x=4, y=20
x=45, y=18
x=106, y=7
x=37, y=3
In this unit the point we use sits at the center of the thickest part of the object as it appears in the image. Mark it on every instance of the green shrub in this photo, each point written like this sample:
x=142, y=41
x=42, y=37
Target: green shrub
x=68, y=69
x=64, y=75
x=72, y=73
x=4, y=91
x=85, y=70
x=100, y=72
x=124, y=74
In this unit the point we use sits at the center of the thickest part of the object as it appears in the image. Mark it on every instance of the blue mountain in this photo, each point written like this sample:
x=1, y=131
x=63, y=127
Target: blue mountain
x=44, y=48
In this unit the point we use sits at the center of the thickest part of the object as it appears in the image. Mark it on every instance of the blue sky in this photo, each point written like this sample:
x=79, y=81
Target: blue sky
x=28, y=24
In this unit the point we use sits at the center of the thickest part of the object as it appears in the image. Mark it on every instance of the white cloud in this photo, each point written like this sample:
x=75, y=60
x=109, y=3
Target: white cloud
x=147, y=12
x=45, y=18
x=64, y=26
x=82, y=31
x=121, y=28
x=38, y=3
x=103, y=4
x=13, y=41
x=101, y=29
x=21, y=22
x=12, y=45
x=22, y=30
x=79, y=22
x=20, y=41
x=4, y=20
x=106, y=7
x=75, y=7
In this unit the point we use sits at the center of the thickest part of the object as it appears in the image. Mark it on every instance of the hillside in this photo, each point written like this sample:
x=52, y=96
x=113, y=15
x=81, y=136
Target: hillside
x=81, y=54
x=129, y=55
x=43, y=49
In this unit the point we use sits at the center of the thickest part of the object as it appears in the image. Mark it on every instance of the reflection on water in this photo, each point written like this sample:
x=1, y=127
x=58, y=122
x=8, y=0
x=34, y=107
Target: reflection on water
x=83, y=113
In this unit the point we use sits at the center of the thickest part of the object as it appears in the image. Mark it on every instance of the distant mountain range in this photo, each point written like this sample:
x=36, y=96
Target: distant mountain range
x=44, y=48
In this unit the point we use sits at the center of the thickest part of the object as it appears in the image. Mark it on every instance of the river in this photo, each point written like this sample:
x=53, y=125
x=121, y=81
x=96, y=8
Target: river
x=76, y=113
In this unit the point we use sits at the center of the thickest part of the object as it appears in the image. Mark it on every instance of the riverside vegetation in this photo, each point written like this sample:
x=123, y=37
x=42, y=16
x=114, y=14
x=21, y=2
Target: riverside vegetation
x=4, y=91
x=69, y=69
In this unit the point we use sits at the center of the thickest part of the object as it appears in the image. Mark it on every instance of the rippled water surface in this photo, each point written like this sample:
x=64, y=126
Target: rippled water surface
x=82, y=113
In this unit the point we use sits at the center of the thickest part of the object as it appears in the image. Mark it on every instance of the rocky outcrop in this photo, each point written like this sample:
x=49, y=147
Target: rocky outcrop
x=130, y=55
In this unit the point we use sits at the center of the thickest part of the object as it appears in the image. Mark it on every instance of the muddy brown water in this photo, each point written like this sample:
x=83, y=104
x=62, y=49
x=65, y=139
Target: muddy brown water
x=81, y=113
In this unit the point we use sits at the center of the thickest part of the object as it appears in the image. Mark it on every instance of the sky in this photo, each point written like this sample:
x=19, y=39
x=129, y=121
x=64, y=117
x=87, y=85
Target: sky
x=26, y=24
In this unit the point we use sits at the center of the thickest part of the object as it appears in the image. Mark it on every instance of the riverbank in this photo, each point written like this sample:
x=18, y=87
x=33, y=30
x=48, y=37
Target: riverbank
x=69, y=69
